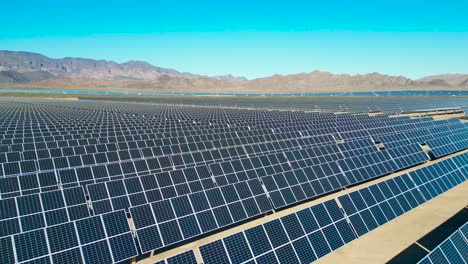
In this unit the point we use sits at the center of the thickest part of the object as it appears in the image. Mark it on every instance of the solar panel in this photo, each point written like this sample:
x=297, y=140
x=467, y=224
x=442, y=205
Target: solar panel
x=35, y=211
x=303, y=236
x=311, y=233
x=187, y=257
x=104, y=239
x=452, y=250
x=173, y=220
x=183, y=172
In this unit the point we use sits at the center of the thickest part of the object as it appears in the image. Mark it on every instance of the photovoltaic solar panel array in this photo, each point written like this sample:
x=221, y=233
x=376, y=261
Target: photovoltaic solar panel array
x=103, y=238
x=384, y=104
x=180, y=173
x=311, y=233
x=453, y=250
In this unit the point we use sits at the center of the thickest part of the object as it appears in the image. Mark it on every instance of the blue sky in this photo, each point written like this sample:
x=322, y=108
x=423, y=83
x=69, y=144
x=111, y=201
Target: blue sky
x=248, y=38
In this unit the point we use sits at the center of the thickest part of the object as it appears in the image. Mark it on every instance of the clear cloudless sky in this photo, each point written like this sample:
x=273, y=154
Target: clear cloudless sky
x=249, y=38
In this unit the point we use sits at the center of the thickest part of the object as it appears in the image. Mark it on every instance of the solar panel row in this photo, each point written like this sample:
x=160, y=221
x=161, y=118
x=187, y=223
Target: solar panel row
x=311, y=233
x=453, y=250
x=182, y=172
x=318, y=103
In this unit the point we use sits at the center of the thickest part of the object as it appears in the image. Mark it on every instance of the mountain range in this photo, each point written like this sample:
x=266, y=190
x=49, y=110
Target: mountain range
x=32, y=70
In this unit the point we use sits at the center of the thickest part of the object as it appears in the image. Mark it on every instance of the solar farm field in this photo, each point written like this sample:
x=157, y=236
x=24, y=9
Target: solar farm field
x=145, y=180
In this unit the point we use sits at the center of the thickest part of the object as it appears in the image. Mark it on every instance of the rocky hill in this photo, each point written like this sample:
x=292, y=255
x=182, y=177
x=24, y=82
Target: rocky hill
x=454, y=80
x=32, y=70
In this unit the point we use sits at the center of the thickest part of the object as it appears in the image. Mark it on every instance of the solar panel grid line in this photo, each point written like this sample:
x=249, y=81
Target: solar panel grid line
x=298, y=254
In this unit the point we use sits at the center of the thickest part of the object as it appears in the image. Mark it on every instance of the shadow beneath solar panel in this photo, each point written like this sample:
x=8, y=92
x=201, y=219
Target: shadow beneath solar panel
x=141, y=256
x=428, y=151
x=430, y=241
x=128, y=261
x=431, y=155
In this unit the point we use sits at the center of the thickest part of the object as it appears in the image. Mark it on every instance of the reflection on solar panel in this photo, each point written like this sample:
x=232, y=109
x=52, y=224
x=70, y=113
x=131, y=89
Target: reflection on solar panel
x=80, y=169
x=453, y=250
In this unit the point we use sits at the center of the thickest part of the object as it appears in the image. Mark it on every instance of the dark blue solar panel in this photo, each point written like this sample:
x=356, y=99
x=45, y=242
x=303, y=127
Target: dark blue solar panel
x=97, y=252
x=267, y=258
x=115, y=223
x=30, y=245
x=163, y=211
x=276, y=233
x=90, y=229
x=307, y=220
x=345, y=231
x=292, y=226
x=450, y=252
x=461, y=244
x=237, y=248
x=189, y=226
x=62, y=237
x=321, y=214
x=275, y=147
x=122, y=247
x=207, y=221
x=6, y=250
x=286, y=254
x=187, y=257
x=142, y=216
x=222, y=216
x=258, y=240
x=149, y=238
x=182, y=206
x=319, y=243
x=9, y=227
x=31, y=222
x=214, y=253
x=333, y=237
x=69, y=256
x=170, y=232
x=304, y=250
x=29, y=204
